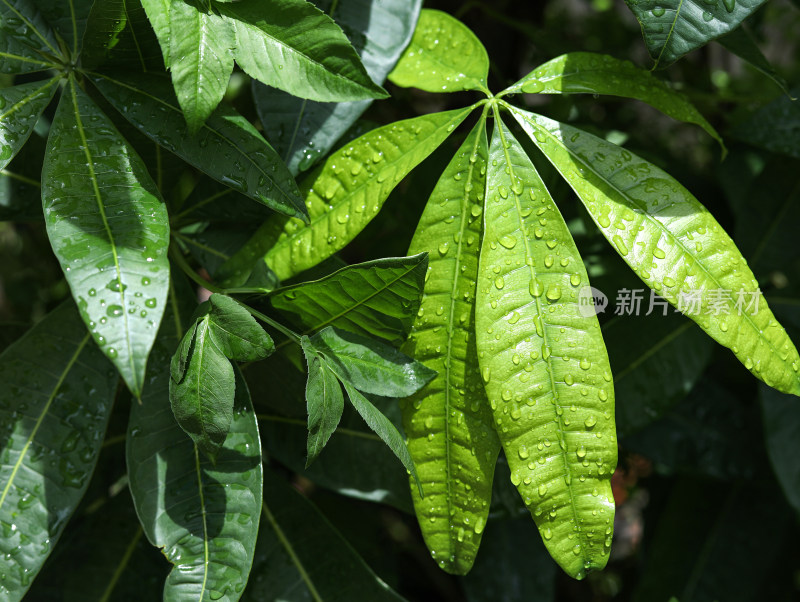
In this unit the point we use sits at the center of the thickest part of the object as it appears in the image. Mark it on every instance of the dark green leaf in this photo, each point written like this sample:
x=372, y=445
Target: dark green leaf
x=204, y=516
x=294, y=46
x=109, y=229
x=301, y=556
x=20, y=187
x=776, y=127
x=227, y=148
x=324, y=401
x=26, y=41
x=304, y=131
x=781, y=415
x=20, y=107
x=378, y=298
x=68, y=18
x=370, y=366
x=741, y=43
x=672, y=28
x=56, y=398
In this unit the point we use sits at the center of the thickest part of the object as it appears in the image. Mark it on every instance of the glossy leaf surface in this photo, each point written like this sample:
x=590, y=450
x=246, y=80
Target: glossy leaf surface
x=343, y=195
x=227, y=147
x=294, y=46
x=544, y=363
x=56, y=397
x=378, y=298
x=157, y=12
x=673, y=244
x=290, y=565
x=443, y=56
x=20, y=107
x=449, y=423
x=671, y=28
x=26, y=41
x=591, y=73
x=325, y=404
x=204, y=516
x=302, y=130
x=109, y=230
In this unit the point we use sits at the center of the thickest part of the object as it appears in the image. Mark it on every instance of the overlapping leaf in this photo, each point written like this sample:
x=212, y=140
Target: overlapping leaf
x=673, y=244
x=325, y=404
x=227, y=147
x=204, y=516
x=342, y=196
x=741, y=43
x=302, y=130
x=68, y=19
x=443, y=56
x=544, y=363
x=776, y=127
x=56, y=399
x=26, y=41
x=20, y=107
x=109, y=230
x=449, y=424
x=378, y=298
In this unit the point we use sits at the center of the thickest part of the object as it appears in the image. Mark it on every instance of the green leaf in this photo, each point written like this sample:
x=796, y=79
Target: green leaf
x=781, y=417
x=56, y=398
x=384, y=428
x=775, y=127
x=204, y=516
x=591, y=73
x=157, y=12
x=368, y=365
x=298, y=49
x=443, y=56
x=20, y=108
x=671, y=28
x=109, y=230
x=290, y=565
x=673, y=244
x=544, y=363
x=303, y=131
x=201, y=389
x=324, y=401
x=449, y=423
x=20, y=188
x=201, y=60
x=26, y=41
x=227, y=147
x=741, y=43
x=377, y=298
x=342, y=196
x=68, y=18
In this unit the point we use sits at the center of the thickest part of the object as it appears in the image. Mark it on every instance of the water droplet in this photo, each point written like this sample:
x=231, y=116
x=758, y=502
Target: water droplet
x=508, y=242
x=590, y=422
x=151, y=303
x=553, y=292
x=575, y=279
x=514, y=318
x=114, y=311
x=499, y=282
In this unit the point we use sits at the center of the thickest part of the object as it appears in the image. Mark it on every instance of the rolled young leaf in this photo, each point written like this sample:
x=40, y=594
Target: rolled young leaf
x=20, y=107
x=324, y=401
x=591, y=73
x=26, y=41
x=673, y=244
x=294, y=46
x=449, y=423
x=443, y=56
x=227, y=148
x=377, y=298
x=109, y=230
x=56, y=399
x=544, y=363
x=342, y=196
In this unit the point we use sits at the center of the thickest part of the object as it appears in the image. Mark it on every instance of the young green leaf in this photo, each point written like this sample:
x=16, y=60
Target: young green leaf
x=26, y=41
x=304, y=131
x=56, y=398
x=370, y=366
x=294, y=46
x=673, y=244
x=201, y=60
x=544, y=363
x=384, y=428
x=449, y=423
x=443, y=56
x=109, y=230
x=377, y=298
x=20, y=107
x=342, y=196
x=671, y=28
x=590, y=73
x=236, y=332
x=204, y=517
x=324, y=401
x=227, y=147
x=741, y=43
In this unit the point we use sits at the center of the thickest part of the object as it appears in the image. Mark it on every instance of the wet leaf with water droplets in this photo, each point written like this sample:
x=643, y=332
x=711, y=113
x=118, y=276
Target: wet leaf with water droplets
x=21, y=106
x=55, y=401
x=561, y=401
x=26, y=40
x=324, y=401
x=457, y=464
x=109, y=229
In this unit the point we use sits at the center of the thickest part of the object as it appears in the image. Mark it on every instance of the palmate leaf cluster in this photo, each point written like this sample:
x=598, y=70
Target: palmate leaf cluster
x=483, y=339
